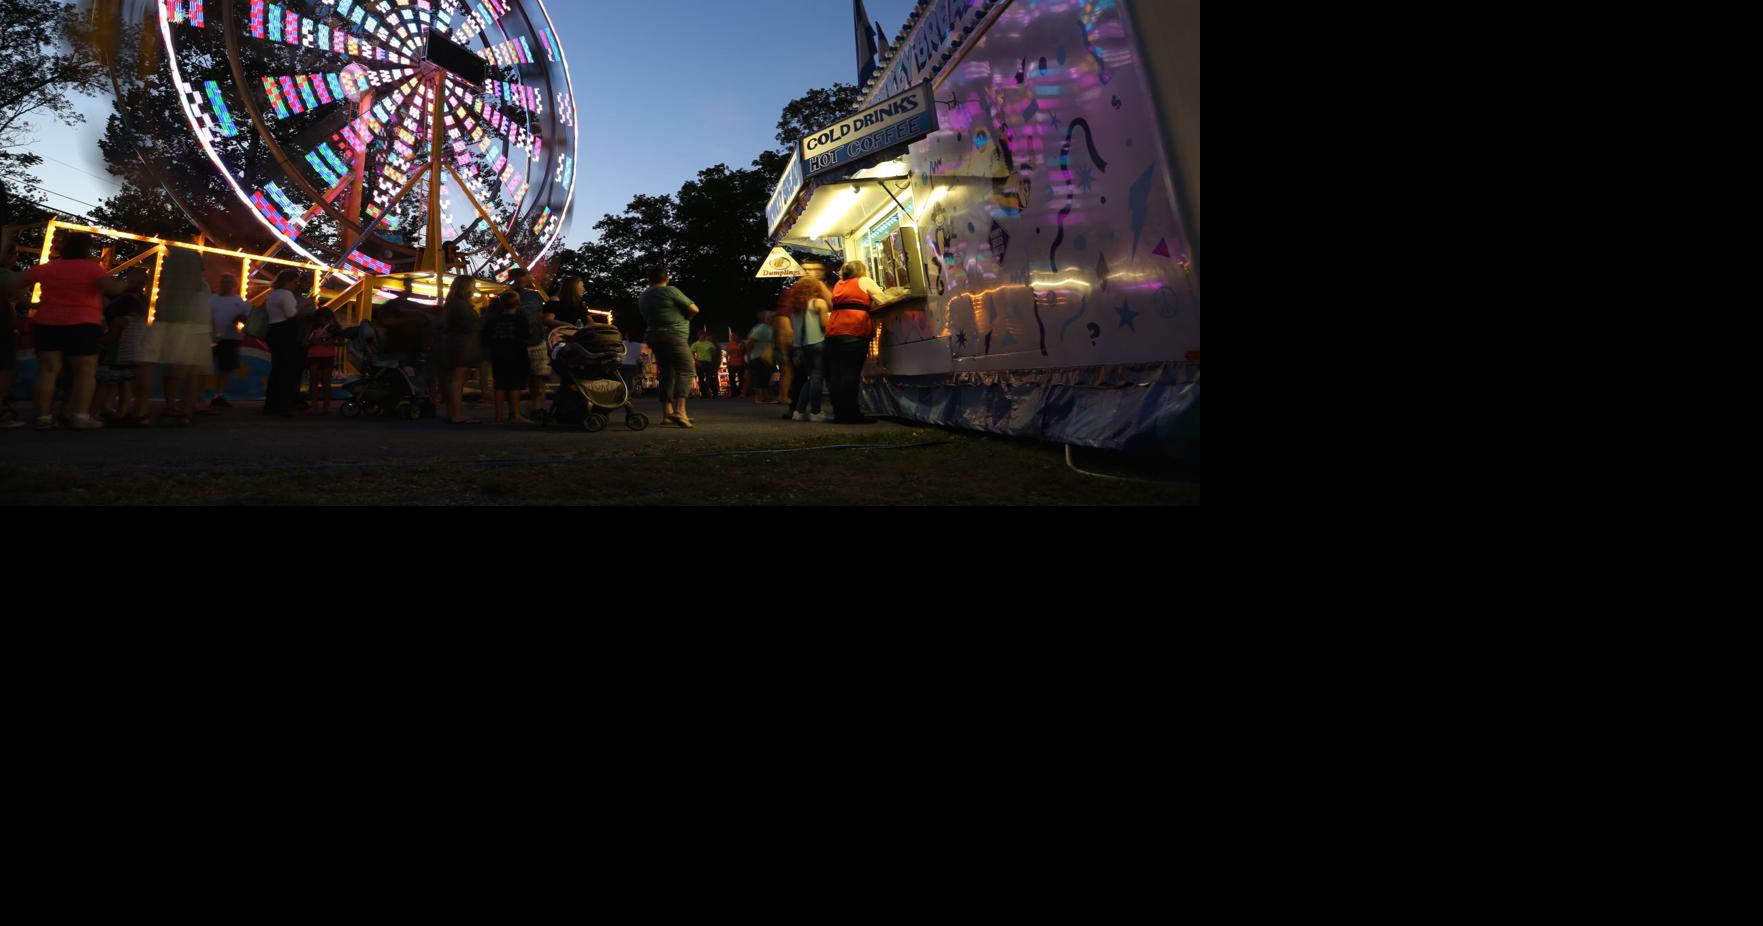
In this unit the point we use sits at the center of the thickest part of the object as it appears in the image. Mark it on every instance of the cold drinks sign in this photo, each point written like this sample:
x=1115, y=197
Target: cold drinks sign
x=888, y=124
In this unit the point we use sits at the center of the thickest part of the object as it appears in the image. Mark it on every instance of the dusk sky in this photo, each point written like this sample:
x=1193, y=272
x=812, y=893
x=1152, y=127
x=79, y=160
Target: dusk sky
x=665, y=88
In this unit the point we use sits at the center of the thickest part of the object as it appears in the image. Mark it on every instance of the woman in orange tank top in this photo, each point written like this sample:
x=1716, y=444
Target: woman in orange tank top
x=847, y=340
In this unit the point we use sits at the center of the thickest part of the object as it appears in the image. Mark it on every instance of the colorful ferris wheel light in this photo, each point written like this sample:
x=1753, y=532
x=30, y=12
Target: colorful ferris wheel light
x=346, y=138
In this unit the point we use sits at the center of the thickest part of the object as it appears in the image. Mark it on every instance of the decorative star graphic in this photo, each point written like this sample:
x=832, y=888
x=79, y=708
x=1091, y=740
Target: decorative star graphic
x=1126, y=316
x=961, y=340
x=1086, y=179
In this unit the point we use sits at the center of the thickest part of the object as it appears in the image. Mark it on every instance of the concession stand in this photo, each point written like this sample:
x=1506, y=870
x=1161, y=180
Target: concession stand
x=1022, y=177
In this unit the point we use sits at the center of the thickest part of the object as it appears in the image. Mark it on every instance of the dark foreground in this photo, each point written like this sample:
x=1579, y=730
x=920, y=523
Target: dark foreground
x=740, y=454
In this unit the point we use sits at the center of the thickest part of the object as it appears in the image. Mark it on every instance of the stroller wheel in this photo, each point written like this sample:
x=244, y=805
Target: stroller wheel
x=411, y=412
x=594, y=422
x=351, y=409
x=636, y=421
x=428, y=408
x=371, y=408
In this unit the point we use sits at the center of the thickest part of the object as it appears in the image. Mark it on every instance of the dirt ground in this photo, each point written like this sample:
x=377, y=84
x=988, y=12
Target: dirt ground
x=740, y=454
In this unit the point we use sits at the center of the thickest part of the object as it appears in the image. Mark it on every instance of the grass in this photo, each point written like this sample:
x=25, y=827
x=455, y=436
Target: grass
x=955, y=469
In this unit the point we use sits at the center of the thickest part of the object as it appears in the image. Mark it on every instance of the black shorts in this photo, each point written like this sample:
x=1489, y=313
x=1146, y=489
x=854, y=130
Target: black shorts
x=8, y=350
x=68, y=340
x=226, y=356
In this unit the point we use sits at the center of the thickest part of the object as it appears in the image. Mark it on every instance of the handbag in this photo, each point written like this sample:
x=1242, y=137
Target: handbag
x=257, y=323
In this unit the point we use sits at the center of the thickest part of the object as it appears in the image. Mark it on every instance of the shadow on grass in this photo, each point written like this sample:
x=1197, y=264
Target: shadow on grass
x=925, y=466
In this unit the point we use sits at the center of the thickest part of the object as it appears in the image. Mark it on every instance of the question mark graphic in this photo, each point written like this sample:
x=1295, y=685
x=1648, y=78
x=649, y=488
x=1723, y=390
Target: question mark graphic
x=1095, y=332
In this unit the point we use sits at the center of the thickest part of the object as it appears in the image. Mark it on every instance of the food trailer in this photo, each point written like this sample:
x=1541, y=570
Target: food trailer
x=1023, y=177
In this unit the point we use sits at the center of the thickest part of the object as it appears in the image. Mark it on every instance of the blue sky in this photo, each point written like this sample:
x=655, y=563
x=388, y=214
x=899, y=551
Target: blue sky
x=665, y=88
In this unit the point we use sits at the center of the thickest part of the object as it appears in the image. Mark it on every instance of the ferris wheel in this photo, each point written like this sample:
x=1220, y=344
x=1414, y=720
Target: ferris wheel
x=364, y=133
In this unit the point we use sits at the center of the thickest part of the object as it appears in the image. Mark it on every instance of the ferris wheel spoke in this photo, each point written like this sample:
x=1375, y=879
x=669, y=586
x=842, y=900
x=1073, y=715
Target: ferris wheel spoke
x=469, y=173
x=487, y=216
x=276, y=25
x=393, y=23
x=374, y=124
x=494, y=123
x=292, y=95
x=479, y=17
x=510, y=95
x=408, y=153
x=473, y=144
x=349, y=149
x=450, y=10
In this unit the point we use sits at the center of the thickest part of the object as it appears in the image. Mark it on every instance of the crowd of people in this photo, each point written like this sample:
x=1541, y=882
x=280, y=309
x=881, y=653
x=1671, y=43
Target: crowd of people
x=807, y=355
x=98, y=353
x=94, y=344
x=817, y=342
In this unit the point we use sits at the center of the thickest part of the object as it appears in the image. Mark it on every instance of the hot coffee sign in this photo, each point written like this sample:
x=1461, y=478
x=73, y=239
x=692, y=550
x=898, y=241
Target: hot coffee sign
x=888, y=124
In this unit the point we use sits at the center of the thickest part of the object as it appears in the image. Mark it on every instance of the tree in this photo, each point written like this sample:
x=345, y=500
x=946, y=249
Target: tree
x=18, y=201
x=722, y=242
x=711, y=234
x=144, y=211
x=616, y=267
x=814, y=111
x=594, y=261
x=45, y=55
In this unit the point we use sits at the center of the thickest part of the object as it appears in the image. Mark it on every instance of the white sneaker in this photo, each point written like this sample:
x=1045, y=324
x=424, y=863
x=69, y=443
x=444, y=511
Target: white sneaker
x=799, y=416
x=85, y=423
x=822, y=418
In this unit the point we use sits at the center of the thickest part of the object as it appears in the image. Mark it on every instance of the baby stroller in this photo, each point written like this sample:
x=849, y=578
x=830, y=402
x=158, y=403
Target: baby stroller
x=586, y=361
x=389, y=384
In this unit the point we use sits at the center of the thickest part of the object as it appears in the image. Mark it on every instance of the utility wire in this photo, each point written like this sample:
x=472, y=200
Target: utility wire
x=62, y=195
x=84, y=220
x=110, y=180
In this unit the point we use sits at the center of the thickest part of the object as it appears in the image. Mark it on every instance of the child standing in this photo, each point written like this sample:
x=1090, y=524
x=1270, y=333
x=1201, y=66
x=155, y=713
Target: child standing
x=321, y=354
x=505, y=336
x=121, y=355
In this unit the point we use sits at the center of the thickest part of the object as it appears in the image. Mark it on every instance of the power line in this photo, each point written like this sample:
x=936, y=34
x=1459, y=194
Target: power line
x=109, y=180
x=84, y=219
x=62, y=195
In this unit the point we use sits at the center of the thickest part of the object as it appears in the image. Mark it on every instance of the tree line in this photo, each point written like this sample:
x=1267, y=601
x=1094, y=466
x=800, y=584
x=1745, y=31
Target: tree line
x=711, y=233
